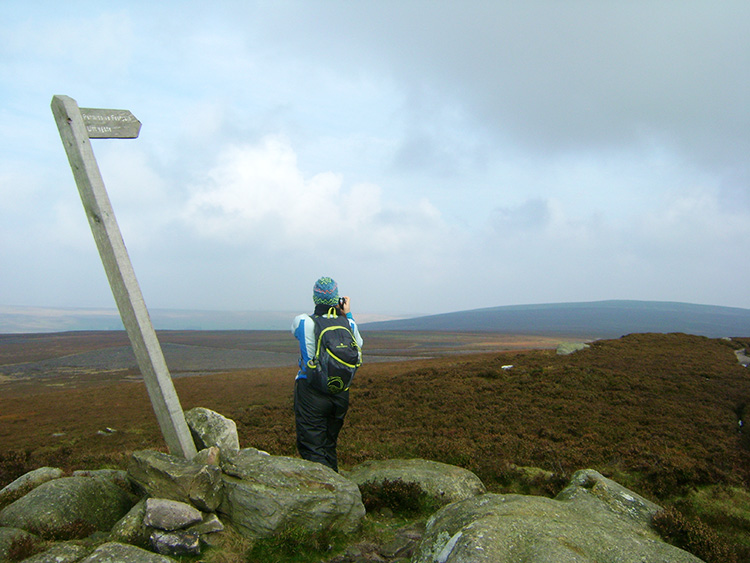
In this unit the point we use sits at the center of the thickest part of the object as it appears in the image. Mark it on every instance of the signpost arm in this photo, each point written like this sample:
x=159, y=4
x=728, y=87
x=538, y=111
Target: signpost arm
x=121, y=277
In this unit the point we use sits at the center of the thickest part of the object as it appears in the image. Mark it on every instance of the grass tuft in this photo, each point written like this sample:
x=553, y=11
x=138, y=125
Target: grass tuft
x=295, y=544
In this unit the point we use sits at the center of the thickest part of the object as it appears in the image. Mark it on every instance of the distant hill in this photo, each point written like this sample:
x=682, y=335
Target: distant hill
x=39, y=319
x=587, y=320
x=597, y=319
x=16, y=320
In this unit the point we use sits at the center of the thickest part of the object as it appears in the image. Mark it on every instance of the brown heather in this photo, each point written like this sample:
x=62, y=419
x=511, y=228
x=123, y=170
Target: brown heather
x=693, y=536
x=658, y=413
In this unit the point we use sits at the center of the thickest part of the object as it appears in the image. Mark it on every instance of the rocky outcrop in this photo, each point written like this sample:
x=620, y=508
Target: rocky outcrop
x=567, y=348
x=445, y=483
x=594, y=519
x=162, y=475
x=167, y=527
x=113, y=552
x=263, y=494
x=68, y=507
x=590, y=488
x=209, y=456
x=742, y=357
x=165, y=507
x=170, y=520
x=61, y=553
x=170, y=515
x=130, y=528
x=178, y=543
x=260, y=494
x=116, y=476
x=209, y=428
x=26, y=483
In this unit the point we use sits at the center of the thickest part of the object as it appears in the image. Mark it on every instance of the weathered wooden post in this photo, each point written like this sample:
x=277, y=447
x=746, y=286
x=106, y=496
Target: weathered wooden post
x=77, y=126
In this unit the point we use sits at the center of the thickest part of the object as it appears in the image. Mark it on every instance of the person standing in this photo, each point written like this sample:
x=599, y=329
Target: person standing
x=319, y=415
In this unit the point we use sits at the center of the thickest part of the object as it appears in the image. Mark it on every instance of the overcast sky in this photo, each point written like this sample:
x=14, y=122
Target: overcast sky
x=430, y=156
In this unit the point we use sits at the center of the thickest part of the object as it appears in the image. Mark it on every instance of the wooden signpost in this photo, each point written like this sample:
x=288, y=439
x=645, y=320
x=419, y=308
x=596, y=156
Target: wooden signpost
x=77, y=126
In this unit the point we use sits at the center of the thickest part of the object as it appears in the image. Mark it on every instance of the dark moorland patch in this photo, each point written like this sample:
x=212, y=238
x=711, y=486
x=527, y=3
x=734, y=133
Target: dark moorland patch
x=659, y=413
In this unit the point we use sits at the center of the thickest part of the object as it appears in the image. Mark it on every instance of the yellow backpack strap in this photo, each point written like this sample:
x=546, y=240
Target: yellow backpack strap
x=311, y=363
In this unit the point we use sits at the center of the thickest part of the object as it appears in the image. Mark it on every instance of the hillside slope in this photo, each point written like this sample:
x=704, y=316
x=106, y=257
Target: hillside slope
x=664, y=415
x=597, y=319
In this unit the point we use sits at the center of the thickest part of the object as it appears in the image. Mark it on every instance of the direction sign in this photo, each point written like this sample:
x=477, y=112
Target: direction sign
x=110, y=123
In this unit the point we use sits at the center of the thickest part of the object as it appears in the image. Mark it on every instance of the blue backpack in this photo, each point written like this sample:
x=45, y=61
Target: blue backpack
x=337, y=354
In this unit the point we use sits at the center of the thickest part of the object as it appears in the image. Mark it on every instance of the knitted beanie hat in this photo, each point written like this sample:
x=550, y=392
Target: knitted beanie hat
x=326, y=292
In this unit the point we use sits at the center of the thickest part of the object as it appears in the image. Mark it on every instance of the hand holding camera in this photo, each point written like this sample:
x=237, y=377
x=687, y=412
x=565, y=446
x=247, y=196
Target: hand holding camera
x=344, y=305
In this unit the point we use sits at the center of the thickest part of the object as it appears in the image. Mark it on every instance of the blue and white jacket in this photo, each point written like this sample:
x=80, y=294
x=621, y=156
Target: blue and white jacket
x=303, y=329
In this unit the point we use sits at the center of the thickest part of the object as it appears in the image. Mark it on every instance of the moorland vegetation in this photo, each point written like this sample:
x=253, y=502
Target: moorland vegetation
x=662, y=414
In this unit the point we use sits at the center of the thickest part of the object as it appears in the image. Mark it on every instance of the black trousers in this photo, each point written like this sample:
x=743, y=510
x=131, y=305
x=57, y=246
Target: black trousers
x=319, y=418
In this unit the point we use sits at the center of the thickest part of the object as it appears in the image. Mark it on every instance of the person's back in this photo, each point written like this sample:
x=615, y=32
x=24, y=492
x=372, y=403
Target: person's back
x=319, y=414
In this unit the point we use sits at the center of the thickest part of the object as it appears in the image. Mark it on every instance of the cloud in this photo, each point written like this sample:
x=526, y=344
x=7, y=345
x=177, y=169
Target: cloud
x=557, y=77
x=432, y=156
x=532, y=215
x=257, y=194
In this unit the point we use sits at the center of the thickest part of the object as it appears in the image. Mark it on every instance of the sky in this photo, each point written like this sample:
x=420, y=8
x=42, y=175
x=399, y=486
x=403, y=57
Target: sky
x=430, y=156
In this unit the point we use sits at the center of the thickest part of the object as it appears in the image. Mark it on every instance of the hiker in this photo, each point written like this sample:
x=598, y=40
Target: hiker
x=321, y=388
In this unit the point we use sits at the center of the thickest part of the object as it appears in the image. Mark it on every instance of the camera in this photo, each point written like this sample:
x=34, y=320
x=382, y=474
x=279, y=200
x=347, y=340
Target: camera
x=342, y=302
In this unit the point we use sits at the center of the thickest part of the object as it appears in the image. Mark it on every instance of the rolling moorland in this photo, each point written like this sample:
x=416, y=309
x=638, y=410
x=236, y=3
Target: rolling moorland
x=594, y=319
x=662, y=414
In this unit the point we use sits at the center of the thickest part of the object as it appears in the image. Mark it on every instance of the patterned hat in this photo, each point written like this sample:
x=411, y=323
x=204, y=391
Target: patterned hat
x=326, y=292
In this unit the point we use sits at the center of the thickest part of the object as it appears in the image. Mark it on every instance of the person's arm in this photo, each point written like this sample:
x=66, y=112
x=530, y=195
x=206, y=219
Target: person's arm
x=303, y=329
x=347, y=310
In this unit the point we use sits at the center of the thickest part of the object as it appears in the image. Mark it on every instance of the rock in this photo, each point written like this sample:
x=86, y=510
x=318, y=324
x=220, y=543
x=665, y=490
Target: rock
x=114, y=552
x=446, y=483
x=170, y=515
x=592, y=488
x=742, y=357
x=178, y=543
x=567, y=348
x=68, y=507
x=362, y=552
x=60, y=553
x=117, y=476
x=578, y=526
x=209, y=428
x=400, y=546
x=398, y=550
x=164, y=476
x=10, y=536
x=130, y=528
x=25, y=483
x=263, y=494
x=208, y=456
x=404, y=544
x=209, y=525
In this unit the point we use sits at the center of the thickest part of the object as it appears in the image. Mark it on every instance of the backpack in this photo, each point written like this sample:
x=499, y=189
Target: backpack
x=337, y=354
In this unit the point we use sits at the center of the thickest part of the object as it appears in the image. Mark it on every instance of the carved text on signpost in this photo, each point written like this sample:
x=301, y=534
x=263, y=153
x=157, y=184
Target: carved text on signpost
x=110, y=123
